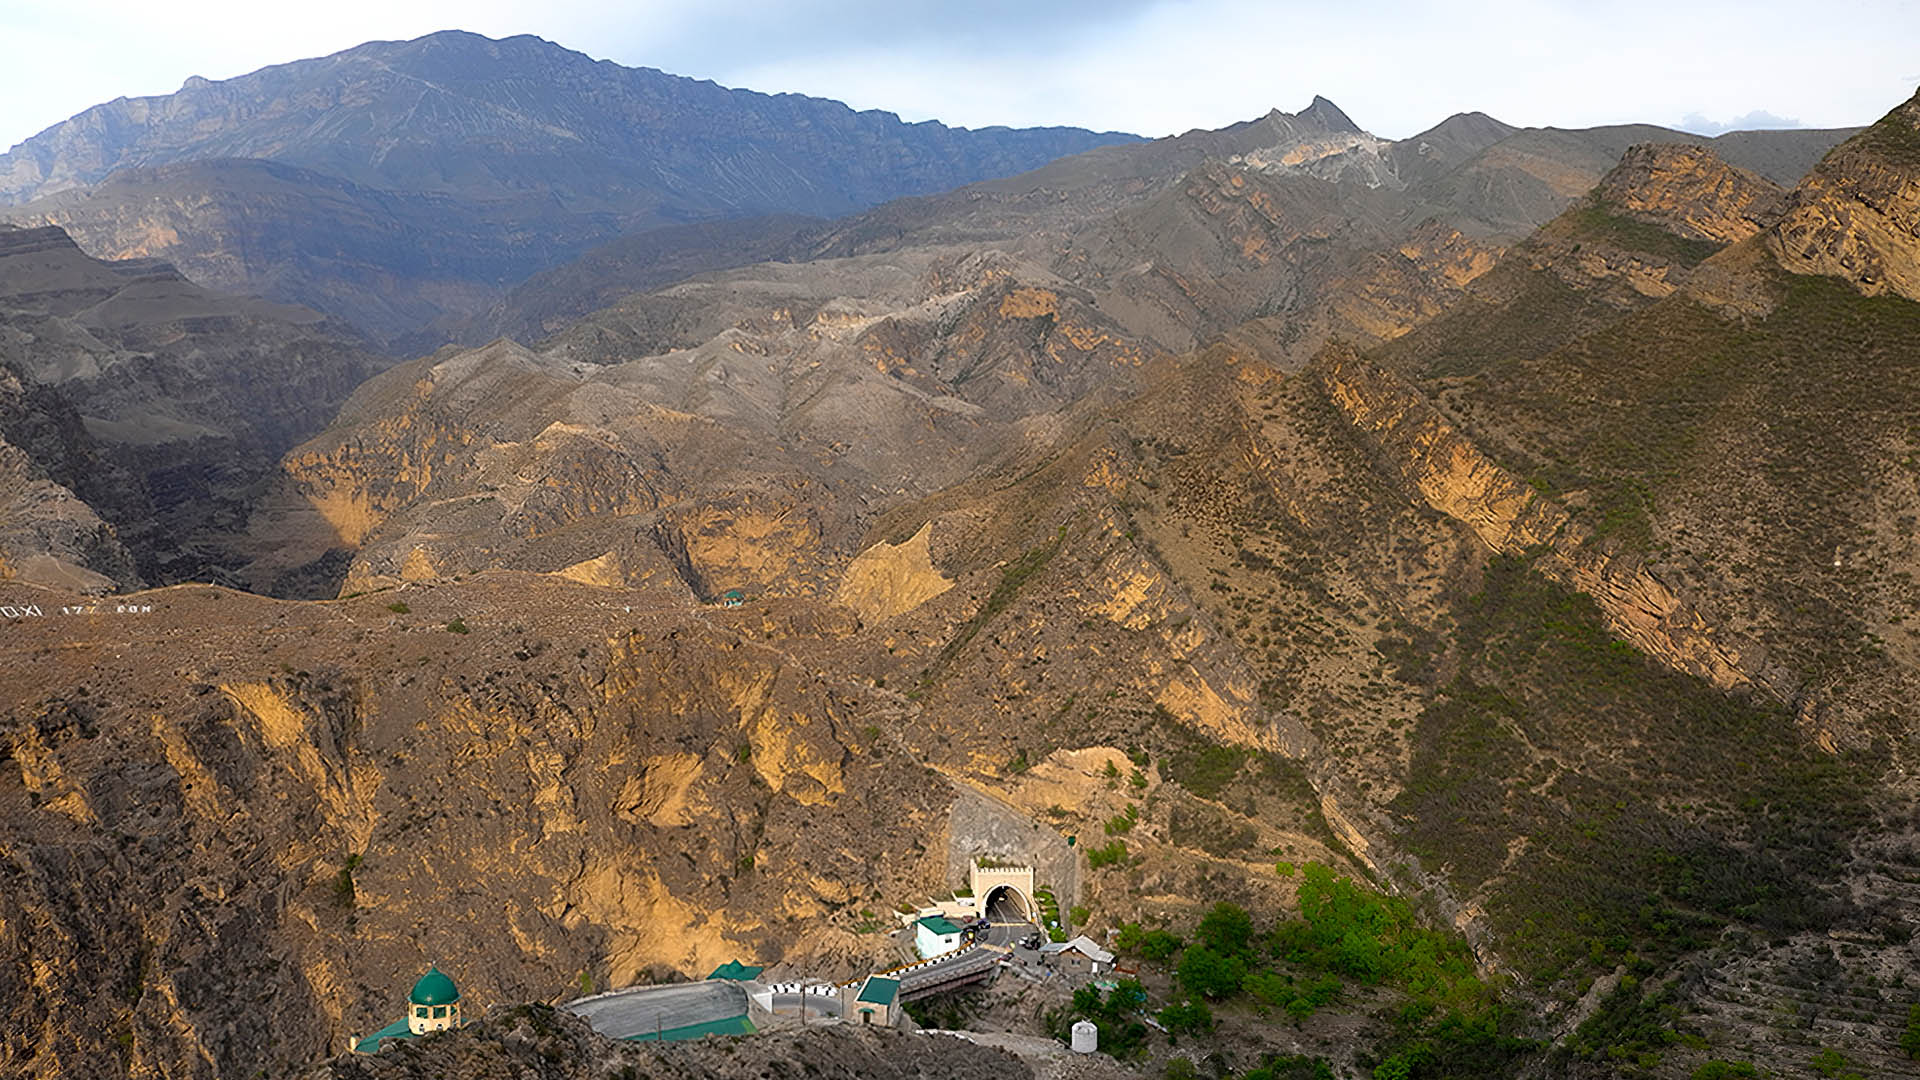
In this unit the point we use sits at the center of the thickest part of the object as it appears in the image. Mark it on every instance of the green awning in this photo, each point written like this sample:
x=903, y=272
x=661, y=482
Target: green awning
x=732, y=1025
x=879, y=990
x=372, y=1043
x=737, y=971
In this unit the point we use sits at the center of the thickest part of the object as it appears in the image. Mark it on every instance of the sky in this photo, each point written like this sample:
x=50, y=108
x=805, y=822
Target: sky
x=1153, y=67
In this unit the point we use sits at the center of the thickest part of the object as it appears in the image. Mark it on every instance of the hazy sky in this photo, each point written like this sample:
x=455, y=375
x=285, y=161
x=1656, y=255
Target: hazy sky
x=1149, y=66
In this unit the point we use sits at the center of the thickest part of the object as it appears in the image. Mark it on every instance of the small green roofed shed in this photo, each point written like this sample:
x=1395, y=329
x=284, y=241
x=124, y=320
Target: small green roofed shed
x=879, y=990
x=736, y=971
x=434, y=988
x=940, y=924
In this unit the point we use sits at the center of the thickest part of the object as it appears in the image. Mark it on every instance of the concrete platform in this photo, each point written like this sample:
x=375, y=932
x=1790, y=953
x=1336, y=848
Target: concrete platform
x=670, y=1012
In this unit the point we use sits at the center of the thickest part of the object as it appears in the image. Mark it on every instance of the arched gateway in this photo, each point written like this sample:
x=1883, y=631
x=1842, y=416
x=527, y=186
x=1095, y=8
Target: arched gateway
x=1005, y=892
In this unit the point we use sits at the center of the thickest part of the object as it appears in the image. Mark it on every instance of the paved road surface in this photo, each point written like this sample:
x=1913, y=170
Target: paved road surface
x=817, y=1006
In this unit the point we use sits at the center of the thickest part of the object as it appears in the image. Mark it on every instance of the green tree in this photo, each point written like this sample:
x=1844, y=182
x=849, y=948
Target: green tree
x=1910, y=1039
x=1159, y=945
x=1190, y=1017
x=1211, y=974
x=1227, y=929
x=1725, y=1070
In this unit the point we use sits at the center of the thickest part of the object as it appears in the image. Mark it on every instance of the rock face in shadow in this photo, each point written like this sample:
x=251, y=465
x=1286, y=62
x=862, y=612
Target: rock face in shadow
x=159, y=404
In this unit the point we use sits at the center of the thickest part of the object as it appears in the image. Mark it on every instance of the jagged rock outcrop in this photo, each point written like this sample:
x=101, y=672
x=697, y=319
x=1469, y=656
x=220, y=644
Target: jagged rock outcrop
x=1857, y=215
x=1690, y=192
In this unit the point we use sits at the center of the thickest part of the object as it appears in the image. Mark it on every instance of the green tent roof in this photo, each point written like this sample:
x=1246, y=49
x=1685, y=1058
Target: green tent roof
x=372, y=1043
x=940, y=924
x=880, y=990
x=737, y=971
x=732, y=1025
x=434, y=988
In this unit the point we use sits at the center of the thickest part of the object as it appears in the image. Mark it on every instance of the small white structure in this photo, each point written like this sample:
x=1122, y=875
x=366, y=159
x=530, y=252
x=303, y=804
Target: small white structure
x=1086, y=1037
x=936, y=934
x=960, y=909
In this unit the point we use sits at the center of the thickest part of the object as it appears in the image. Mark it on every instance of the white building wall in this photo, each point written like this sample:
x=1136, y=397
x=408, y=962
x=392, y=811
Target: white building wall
x=932, y=944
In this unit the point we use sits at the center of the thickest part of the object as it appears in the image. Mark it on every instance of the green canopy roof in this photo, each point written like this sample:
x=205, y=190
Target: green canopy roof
x=880, y=990
x=372, y=1043
x=731, y=1025
x=940, y=924
x=737, y=971
x=434, y=988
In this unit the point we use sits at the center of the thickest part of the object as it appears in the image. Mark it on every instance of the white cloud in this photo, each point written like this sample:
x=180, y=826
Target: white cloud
x=1757, y=120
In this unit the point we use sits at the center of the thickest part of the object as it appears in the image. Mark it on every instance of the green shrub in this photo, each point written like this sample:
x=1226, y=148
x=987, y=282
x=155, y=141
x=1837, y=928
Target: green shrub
x=1725, y=1070
x=1211, y=974
x=343, y=891
x=1226, y=929
x=1113, y=854
x=1835, y=1065
x=1207, y=769
x=1190, y=1017
x=457, y=626
x=1910, y=1038
x=399, y=607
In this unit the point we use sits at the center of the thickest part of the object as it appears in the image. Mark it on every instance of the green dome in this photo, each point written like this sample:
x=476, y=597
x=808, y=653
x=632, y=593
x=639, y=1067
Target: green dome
x=434, y=988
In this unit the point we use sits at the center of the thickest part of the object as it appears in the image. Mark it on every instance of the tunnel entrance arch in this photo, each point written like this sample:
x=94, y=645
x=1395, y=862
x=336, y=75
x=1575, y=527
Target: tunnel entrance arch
x=1006, y=903
x=1005, y=892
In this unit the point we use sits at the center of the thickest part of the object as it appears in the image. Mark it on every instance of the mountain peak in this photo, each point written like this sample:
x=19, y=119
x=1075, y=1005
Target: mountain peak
x=1325, y=114
x=1849, y=217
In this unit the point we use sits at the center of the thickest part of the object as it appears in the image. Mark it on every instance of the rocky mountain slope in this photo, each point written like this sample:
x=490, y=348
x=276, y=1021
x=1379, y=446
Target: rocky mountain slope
x=398, y=182
x=1567, y=595
x=160, y=404
x=1304, y=218
x=553, y=1044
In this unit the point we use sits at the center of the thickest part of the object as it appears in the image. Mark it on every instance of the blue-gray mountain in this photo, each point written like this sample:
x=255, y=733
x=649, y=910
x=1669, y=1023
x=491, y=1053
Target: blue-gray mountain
x=413, y=179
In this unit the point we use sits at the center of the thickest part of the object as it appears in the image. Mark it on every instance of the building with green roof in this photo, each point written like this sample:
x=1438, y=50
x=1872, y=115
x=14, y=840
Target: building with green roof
x=936, y=934
x=874, y=1000
x=736, y=971
x=432, y=1005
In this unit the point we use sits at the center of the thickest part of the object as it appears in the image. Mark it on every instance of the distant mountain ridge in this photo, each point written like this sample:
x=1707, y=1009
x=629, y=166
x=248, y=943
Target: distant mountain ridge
x=465, y=115
x=447, y=168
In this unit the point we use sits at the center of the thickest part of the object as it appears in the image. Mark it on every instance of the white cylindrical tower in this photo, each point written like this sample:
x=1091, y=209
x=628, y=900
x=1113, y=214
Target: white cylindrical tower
x=1086, y=1037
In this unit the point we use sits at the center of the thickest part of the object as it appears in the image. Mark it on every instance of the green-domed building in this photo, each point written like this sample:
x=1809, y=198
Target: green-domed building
x=432, y=1005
